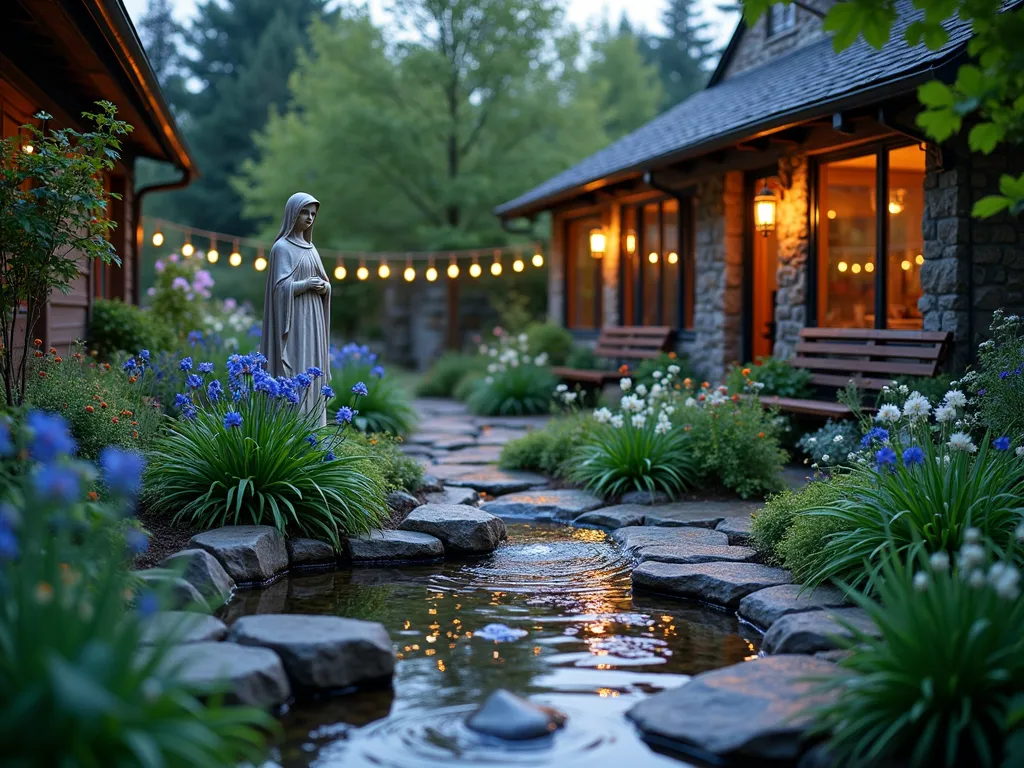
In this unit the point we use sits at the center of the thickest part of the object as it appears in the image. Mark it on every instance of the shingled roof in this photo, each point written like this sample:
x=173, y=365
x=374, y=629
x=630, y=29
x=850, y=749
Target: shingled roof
x=804, y=83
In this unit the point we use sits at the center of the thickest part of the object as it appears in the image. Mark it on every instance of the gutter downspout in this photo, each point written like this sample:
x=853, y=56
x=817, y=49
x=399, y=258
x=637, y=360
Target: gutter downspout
x=140, y=194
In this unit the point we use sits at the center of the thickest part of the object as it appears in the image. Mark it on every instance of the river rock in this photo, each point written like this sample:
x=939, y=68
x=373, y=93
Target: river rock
x=321, y=652
x=464, y=530
x=453, y=495
x=249, y=676
x=181, y=627
x=454, y=442
x=618, y=516
x=813, y=631
x=737, y=528
x=696, y=552
x=497, y=481
x=766, y=606
x=395, y=545
x=249, y=553
x=561, y=505
x=722, y=584
x=512, y=718
x=513, y=422
x=635, y=537
x=401, y=503
x=431, y=438
x=644, y=498
x=180, y=594
x=430, y=484
x=753, y=711
x=202, y=570
x=309, y=552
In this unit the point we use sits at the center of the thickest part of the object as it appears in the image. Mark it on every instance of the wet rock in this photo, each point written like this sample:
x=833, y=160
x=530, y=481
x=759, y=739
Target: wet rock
x=722, y=584
x=249, y=676
x=814, y=631
x=321, y=652
x=635, y=538
x=452, y=425
x=737, y=528
x=307, y=552
x=395, y=545
x=498, y=436
x=695, y=552
x=561, y=505
x=454, y=442
x=645, y=498
x=619, y=516
x=498, y=482
x=431, y=484
x=704, y=514
x=249, y=553
x=202, y=570
x=453, y=495
x=834, y=656
x=180, y=594
x=766, y=606
x=475, y=455
x=755, y=710
x=182, y=627
x=446, y=473
x=514, y=422
x=401, y=503
x=499, y=633
x=462, y=529
x=510, y=717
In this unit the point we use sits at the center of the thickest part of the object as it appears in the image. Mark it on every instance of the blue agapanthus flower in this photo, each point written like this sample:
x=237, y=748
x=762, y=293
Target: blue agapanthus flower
x=1001, y=443
x=885, y=456
x=194, y=381
x=292, y=396
x=136, y=541
x=266, y=383
x=56, y=482
x=359, y=389
x=875, y=433
x=214, y=390
x=51, y=436
x=1004, y=374
x=314, y=372
x=122, y=470
x=329, y=456
x=144, y=354
x=327, y=391
x=147, y=603
x=8, y=538
x=185, y=364
x=913, y=455
x=6, y=444
x=302, y=381
x=232, y=419
x=181, y=402
x=206, y=367
x=129, y=364
x=312, y=440
x=344, y=415
x=377, y=371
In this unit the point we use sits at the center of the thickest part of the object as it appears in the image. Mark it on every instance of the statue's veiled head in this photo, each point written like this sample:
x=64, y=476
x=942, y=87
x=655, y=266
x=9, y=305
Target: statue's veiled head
x=299, y=216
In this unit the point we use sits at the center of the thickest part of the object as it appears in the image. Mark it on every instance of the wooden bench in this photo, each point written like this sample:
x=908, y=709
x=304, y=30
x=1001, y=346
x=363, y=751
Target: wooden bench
x=871, y=359
x=626, y=343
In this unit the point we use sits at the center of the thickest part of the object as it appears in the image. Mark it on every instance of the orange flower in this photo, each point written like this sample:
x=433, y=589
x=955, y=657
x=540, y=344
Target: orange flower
x=93, y=353
x=39, y=354
x=113, y=419
x=126, y=412
x=702, y=397
x=57, y=360
x=43, y=593
x=623, y=369
x=135, y=423
x=672, y=355
x=132, y=379
x=53, y=350
x=37, y=342
x=102, y=404
x=64, y=407
x=760, y=434
x=106, y=366
x=705, y=385
x=735, y=398
x=677, y=386
x=93, y=496
x=745, y=371
x=135, y=435
x=76, y=356
x=89, y=409
x=42, y=374
x=687, y=428
x=95, y=397
x=687, y=382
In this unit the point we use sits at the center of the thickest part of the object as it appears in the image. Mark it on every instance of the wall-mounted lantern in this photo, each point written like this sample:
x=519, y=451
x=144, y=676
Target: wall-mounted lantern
x=597, y=243
x=764, y=211
x=631, y=243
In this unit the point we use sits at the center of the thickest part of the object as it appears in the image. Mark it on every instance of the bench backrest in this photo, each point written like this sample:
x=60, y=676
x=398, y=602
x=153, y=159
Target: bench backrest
x=633, y=342
x=871, y=358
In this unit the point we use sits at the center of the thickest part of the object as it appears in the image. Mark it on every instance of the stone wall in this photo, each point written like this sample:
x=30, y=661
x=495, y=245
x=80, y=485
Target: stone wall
x=755, y=47
x=791, y=231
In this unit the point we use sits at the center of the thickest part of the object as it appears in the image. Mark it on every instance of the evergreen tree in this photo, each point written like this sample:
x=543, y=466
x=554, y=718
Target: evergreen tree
x=161, y=37
x=630, y=91
x=685, y=53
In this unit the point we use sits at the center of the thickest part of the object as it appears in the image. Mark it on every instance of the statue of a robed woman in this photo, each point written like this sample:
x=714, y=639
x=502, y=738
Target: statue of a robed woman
x=297, y=304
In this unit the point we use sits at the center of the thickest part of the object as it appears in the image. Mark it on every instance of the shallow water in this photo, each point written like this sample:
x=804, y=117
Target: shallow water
x=591, y=650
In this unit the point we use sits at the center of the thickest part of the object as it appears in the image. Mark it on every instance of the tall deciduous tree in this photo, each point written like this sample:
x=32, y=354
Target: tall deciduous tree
x=161, y=36
x=685, y=54
x=630, y=88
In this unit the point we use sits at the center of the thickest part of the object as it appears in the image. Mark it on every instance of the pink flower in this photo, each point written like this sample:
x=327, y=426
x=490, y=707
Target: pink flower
x=159, y=266
x=180, y=284
x=498, y=330
x=151, y=292
x=173, y=258
x=230, y=303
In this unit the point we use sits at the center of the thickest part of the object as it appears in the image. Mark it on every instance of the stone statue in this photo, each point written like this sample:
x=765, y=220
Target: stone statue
x=297, y=303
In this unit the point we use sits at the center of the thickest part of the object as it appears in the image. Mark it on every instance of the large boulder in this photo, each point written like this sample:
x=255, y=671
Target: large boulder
x=181, y=627
x=463, y=530
x=304, y=553
x=720, y=583
x=401, y=503
x=813, y=631
x=635, y=538
x=248, y=676
x=204, y=572
x=497, y=482
x=512, y=718
x=394, y=545
x=561, y=505
x=766, y=606
x=618, y=516
x=697, y=552
x=180, y=594
x=453, y=495
x=249, y=553
x=321, y=652
x=750, y=712
x=738, y=529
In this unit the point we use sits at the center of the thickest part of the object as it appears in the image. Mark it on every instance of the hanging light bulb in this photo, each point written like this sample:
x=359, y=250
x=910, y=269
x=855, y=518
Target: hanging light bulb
x=362, y=273
x=431, y=272
x=842, y=266
x=28, y=149
x=631, y=243
x=518, y=265
x=855, y=269
x=673, y=257
x=919, y=259
x=653, y=257
x=496, y=266
x=475, y=270
x=905, y=265
x=213, y=254
x=187, y=249
x=340, y=273
x=410, y=273
x=260, y=263
x=538, y=259
x=384, y=271
x=235, y=259
x=869, y=267
x=453, y=269
x=158, y=238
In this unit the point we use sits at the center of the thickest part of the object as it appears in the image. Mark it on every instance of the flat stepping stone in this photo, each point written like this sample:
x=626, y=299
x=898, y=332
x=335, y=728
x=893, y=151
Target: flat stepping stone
x=431, y=484
x=738, y=529
x=204, y=572
x=645, y=498
x=446, y=473
x=453, y=425
x=249, y=553
x=498, y=482
x=619, y=516
x=498, y=436
x=752, y=711
x=766, y=606
x=813, y=631
x=309, y=552
x=321, y=652
x=395, y=545
x=720, y=583
x=513, y=422
x=695, y=552
x=181, y=595
x=417, y=450
x=560, y=505
x=440, y=406
x=463, y=530
x=182, y=627
x=248, y=676
x=453, y=443
x=453, y=495
x=704, y=514
x=634, y=538
x=475, y=455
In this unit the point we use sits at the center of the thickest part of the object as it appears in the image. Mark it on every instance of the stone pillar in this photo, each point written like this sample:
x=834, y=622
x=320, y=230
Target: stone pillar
x=555, y=258
x=791, y=232
x=612, y=220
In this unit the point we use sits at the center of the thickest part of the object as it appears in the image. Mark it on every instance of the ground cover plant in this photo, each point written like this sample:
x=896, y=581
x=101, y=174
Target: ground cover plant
x=247, y=453
x=549, y=339
x=547, y=450
x=386, y=407
x=516, y=384
x=830, y=445
x=772, y=523
x=997, y=383
x=448, y=371
x=118, y=327
x=776, y=377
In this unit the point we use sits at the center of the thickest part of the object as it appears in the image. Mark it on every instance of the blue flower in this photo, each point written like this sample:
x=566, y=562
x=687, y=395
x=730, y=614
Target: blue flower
x=302, y=381
x=214, y=390
x=312, y=440
x=136, y=541
x=50, y=436
x=1001, y=443
x=329, y=456
x=8, y=538
x=186, y=364
x=122, y=470
x=194, y=337
x=129, y=364
x=359, y=389
x=144, y=354
x=875, y=433
x=266, y=383
x=232, y=419
x=1004, y=374
x=327, y=391
x=291, y=396
x=256, y=331
x=913, y=455
x=6, y=445
x=181, y=402
x=377, y=371
x=206, y=367
x=885, y=456
x=193, y=381
x=147, y=603
x=56, y=482
x=345, y=415
x=981, y=392
x=314, y=372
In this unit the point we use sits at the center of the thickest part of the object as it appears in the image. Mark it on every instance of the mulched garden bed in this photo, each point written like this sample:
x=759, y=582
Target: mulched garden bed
x=164, y=539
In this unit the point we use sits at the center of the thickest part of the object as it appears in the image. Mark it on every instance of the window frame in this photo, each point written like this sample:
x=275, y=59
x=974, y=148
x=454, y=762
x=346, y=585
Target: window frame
x=787, y=18
x=570, y=298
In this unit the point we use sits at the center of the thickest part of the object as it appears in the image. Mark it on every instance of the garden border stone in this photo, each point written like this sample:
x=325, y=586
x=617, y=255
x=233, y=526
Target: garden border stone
x=249, y=553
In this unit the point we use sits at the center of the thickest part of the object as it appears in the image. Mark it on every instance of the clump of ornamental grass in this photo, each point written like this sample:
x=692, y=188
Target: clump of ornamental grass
x=74, y=688
x=637, y=447
x=447, y=373
x=941, y=684
x=249, y=454
x=547, y=450
x=516, y=384
x=386, y=407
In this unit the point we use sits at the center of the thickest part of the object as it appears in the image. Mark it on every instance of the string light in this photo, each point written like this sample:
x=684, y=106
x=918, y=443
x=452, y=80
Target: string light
x=340, y=273
x=213, y=254
x=475, y=270
x=496, y=266
x=235, y=259
x=919, y=259
x=905, y=265
x=843, y=266
x=28, y=149
x=653, y=257
x=538, y=259
x=855, y=269
x=410, y=273
x=453, y=269
x=261, y=262
x=673, y=257
x=362, y=273
x=158, y=238
x=869, y=267
x=187, y=249
x=384, y=271
x=518, y=265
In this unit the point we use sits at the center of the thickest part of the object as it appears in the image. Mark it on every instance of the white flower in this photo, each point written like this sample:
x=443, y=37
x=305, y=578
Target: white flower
x=904, y=389
x=812, y=440
x=1005, y=579
x=642, y=390
x=561, y=388
x=888, y=412
x=939, y=561
x=1020, y=451
x=638, y=420
x=825, y=457
x=1020, y=532
x=673, y=369
x=602, y=415
x=492, y=367
x=920, y=581
x=569, y=397
x=837, y=439
x=632, y=404
x=885, y=389
x=663, y=428
x=944, y=413
x=493, y=352
x=656, y=390
x=489, y=380
x=617, y=421
x=851, y=456
x=541, y=359
x=625, y=384
x=522, y=338
x=917, y=407
x=691, y=403
x=976, y=579
x=657, y=374
x=972, y=535
x=970, y=556
x=962, y=442
x=955, y=398
x=668, y=410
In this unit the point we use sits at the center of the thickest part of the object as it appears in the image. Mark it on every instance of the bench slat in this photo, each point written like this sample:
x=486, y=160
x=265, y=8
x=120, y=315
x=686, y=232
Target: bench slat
x=874, y=334
x=633, y=344
x=931, y=352
x=616, y=353
x=840, y=381
x=636, y=330
x=578, y=374
x=810, y=407
x=887, y=367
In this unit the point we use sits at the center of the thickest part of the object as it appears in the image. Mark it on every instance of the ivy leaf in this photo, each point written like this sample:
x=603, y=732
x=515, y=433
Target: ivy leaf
x=936, y=94
x=990, y=205
x=970, y=82
x=985, y=136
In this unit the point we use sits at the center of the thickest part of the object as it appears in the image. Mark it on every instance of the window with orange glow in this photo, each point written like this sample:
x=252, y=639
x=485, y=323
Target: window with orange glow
x=583, y=276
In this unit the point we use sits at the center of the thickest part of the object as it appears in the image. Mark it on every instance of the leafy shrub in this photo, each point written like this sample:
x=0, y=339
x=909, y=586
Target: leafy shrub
x=643, y=374
x=932, y=387
x=230, y=323
x=583, y=358
x=773, y=522
x=940, y=684
x=830, y=445
x=73, y=688
x=178, y=296
x=468, y=384
x=998, y=383
x=445, y=375
x=105, y=405
x=803, y=549
x=516, y=383
x=776, y=376
x=549, y=339
x=547, y=450
x=119, y=327
x=386, y=408
x=398, y=472
x=260, y=459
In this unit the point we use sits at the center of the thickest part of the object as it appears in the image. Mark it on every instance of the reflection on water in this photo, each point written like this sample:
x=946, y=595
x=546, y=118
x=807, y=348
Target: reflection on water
x=591, y=650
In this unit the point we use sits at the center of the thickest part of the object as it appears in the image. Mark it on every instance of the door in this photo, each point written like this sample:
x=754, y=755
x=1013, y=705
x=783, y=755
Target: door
x=762, y=277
